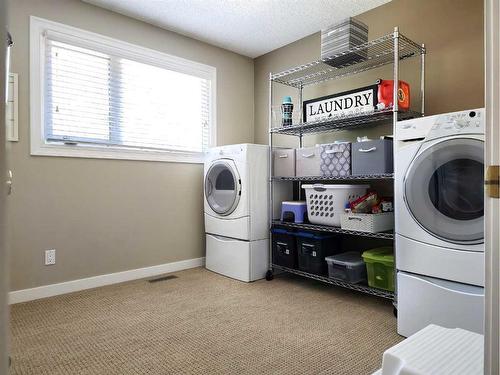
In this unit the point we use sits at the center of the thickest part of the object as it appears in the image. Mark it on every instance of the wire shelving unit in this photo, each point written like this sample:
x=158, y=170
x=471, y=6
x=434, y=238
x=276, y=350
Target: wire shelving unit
x=344, y=123
x=330, y=229
x=388, y=49
x=358, y=287
x=385, y=176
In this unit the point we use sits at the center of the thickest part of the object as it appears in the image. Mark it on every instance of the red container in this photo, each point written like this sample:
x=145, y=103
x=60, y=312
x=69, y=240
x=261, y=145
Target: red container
x=385, y=93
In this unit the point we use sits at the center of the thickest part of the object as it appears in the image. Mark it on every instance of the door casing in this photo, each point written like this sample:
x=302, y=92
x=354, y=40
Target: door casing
x=492, y=205
x=4, y=331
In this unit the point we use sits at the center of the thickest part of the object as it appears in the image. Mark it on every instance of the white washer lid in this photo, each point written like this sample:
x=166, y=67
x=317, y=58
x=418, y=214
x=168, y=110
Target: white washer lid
x=436, y=350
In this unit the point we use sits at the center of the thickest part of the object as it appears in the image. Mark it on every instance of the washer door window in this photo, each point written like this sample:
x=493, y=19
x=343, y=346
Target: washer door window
x=444, y=190
x=222, y=187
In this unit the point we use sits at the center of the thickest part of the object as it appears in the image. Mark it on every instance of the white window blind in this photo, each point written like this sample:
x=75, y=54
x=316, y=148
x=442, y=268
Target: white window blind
x=100, y=98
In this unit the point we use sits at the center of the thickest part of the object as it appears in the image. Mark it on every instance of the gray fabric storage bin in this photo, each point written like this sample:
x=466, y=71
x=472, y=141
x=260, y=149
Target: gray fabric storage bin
x=284, y=162
x=308, y=161
x=372, y=157
x=336, y=159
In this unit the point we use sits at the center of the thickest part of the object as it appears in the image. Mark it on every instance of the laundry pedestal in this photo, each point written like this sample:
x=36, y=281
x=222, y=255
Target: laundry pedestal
x=241, y=260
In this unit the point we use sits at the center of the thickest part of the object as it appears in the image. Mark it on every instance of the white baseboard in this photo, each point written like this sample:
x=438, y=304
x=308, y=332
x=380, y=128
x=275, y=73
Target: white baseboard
x=44, y=291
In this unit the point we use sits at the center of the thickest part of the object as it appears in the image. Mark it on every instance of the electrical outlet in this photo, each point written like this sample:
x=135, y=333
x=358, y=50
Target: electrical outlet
x=50, y=257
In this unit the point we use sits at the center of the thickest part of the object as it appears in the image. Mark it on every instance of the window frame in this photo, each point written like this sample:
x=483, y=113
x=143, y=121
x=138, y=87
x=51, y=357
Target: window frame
x=39, y=27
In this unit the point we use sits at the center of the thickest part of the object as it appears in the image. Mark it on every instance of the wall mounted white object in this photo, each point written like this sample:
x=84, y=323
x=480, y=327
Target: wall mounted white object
x=12, y=110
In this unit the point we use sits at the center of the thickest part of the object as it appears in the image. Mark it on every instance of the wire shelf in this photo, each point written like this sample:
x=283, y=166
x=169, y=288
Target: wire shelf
x=345, y=122
x=330, y=229
x=374, y=54
x=384, y=176
x=358, y=287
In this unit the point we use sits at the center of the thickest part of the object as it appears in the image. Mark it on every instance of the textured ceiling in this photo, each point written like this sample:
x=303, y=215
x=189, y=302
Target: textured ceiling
x=249, y=27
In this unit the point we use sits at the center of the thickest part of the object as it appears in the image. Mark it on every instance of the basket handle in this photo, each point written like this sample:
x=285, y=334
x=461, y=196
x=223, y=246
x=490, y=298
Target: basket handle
x=354, y=218
x=319, y=187
x=367, y=150
x=336, y=151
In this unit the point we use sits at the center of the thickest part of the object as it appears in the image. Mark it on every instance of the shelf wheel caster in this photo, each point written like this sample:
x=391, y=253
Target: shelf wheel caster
x=395, y=311
x=269, y=275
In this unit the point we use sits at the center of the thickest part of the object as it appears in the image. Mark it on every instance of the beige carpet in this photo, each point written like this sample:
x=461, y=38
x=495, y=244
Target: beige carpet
x=203, y=323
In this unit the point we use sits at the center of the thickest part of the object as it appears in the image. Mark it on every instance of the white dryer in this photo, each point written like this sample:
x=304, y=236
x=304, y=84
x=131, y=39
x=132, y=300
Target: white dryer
x=439, y=173
x=236, y=210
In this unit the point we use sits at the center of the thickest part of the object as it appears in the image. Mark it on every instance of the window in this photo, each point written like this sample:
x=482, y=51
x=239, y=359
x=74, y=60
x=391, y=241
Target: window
x=93, y=96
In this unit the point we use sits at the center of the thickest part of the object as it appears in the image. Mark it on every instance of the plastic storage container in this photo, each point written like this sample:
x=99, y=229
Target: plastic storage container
x=385, y=94
x=308, y=161
x=372, y=157
x=326, y=203
x=312, y=249
x=348, y=267
x=335, y=159
x=284, y=162
x=284, y=248
x=380, y=267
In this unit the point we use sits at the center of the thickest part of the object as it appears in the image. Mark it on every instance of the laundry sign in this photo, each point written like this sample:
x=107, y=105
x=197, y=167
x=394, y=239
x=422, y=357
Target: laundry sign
x=359, y=101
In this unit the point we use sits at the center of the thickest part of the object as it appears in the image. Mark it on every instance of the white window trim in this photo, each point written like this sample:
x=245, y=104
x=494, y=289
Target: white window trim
x=39, y=27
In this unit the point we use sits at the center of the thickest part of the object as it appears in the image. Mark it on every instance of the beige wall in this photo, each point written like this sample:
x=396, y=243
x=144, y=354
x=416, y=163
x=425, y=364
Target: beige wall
x=452, y=31
x=105, y=216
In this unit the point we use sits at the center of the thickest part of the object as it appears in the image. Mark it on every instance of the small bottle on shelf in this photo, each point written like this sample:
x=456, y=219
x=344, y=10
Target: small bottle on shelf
x=286, y=111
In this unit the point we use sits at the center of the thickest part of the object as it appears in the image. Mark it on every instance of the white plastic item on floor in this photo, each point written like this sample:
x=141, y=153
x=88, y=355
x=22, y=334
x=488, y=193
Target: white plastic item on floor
x=326, y=203
x=436, y=351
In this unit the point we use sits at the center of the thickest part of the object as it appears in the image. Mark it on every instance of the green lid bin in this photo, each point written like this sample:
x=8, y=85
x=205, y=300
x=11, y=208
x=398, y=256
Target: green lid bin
x=380, y=267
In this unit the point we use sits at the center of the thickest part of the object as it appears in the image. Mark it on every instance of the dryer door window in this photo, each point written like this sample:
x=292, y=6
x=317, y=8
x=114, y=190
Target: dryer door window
x=222, y=187
x=444, y=190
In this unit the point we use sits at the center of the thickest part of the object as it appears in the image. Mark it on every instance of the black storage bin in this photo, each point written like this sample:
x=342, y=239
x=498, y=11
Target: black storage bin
x=284, y=248
x=313, y=248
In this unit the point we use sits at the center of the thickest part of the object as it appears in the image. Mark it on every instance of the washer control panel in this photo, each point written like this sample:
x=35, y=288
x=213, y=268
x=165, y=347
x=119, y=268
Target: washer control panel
x=414, y=129
x=430, y=127
x=464, y=122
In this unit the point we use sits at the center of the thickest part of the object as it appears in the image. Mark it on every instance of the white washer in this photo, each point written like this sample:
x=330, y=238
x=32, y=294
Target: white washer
x=439, y=176
x=236, y=211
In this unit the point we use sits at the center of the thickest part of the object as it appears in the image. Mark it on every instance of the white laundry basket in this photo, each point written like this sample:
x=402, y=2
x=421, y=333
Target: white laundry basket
x=326, y=203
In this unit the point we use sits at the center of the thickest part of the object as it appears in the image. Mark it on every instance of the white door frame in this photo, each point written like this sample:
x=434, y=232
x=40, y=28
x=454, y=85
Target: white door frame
x=3, y=194
x=492, y=205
